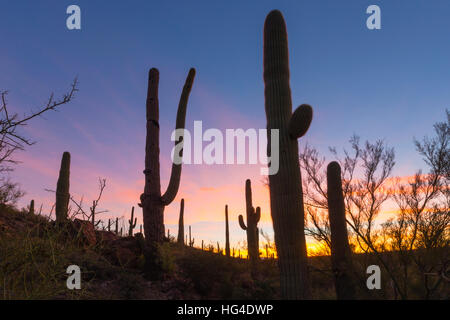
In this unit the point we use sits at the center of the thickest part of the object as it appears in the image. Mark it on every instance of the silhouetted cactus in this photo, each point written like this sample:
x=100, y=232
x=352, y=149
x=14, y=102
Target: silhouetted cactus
x=218, y=248
x=31, y=211
x=131, y=224
x=191, y=240
x=202, y=245
x=152, y=201
x=62, y=189
x=340, y=249
x=227, y=233
x=117, y=226
x=180, y=239
x=109, y=225
x=285, y=186
x=251, y=228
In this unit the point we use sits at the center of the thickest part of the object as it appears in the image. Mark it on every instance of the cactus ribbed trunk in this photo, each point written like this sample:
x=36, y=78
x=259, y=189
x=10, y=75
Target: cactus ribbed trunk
x=227, y=233
x=253, y=217
x=152, y=201
x=180, y=238
x=286, y=197
x=62, y=189
x=340, y=249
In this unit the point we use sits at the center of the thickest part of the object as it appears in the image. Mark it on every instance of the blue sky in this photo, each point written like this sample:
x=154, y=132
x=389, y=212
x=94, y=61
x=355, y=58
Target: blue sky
x=391, y=83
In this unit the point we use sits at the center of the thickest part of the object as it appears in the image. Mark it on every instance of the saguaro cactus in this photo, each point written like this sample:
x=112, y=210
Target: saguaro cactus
x=191, y=240
x=227, y=233
x=340, y=249
x=152, y=201
x=31, y=207
x=286, y=201
x=117, y=226
x=180, y=239
x=62, y=189
x=251, y=228
x=132, y=224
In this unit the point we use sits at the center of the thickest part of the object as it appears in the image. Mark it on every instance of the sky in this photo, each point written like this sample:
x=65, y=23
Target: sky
x=390, y=84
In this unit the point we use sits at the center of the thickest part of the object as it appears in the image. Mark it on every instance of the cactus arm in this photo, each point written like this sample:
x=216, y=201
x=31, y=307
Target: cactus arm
x=300, y=121
x=241, y=222
x=175, y=175
x=257, y=214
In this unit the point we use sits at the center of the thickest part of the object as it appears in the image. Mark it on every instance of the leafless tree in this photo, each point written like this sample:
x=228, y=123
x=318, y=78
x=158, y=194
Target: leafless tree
x=363, y=194
x=79, y=207
x=11, y=140
x=420, y=233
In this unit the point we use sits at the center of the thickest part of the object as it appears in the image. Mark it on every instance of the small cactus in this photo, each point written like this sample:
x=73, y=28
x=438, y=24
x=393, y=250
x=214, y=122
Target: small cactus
x=31, y=211
x=131, y=224
x=191, y=240
x=227, y=233
x=181, y=223
x=251, y=228
x=340, y=249
x=62, y=189
x=117, y=226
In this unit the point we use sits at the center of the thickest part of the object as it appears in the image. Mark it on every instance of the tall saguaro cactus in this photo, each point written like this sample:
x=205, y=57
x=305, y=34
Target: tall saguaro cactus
x=340, y=249
x=180, y=238
x=62, y=189
x=131, y=224
x=253, y=217
x=227, y=233
x=286, y=200
x=152, y=201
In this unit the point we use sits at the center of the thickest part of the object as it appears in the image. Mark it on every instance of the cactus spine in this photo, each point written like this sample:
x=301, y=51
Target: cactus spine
x=62, y=189
x=253, y=217
x=181, y=223
x=227, y=233
x=340, y=249
x=285, y=186
x=131, y=223
x=152, y=202
x=31, y=211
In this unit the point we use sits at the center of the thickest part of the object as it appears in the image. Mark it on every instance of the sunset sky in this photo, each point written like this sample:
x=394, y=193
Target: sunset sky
x=392, y=83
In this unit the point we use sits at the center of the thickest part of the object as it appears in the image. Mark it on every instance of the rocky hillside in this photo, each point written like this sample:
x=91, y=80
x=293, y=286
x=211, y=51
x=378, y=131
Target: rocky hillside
x=35, y=253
